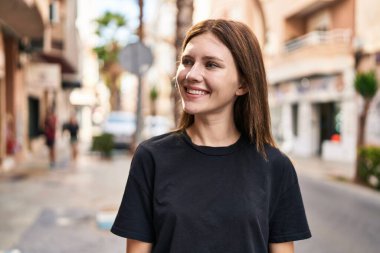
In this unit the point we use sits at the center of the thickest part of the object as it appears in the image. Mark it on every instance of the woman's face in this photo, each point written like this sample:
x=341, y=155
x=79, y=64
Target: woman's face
x=207, y=77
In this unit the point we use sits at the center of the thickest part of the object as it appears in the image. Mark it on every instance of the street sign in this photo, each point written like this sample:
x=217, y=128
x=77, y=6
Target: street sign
x=136, y=58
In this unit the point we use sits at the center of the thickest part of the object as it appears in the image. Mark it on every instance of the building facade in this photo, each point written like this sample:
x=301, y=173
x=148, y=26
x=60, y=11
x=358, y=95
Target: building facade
x=311, y=72
x=39, y=66
x=311, y=58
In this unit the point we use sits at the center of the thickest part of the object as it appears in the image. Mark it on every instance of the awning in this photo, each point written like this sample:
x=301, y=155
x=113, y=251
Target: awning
x=83, y=97
x=23, y=18
x=66, y=67
x=71, y=84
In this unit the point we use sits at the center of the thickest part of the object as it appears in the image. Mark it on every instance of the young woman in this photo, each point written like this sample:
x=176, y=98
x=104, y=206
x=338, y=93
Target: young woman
x=218, y=184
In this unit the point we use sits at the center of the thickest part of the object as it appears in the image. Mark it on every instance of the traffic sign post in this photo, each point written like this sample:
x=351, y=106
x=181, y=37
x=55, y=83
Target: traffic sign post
x=137, y=58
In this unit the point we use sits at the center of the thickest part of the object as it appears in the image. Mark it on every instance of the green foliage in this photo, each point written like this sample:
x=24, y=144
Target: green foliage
x=103, y=143
x=369, y=166
x=366, y=84
x=153, y=93
x=107, y=26
x=109, y=19
x=106, y=55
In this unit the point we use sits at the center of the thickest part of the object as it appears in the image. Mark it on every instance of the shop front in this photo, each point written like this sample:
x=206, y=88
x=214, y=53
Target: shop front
x=315, y=116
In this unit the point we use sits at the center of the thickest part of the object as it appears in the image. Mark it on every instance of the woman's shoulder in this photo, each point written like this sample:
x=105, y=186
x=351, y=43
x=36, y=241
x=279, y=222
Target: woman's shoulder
x=281, y=165
x=167, y=140
x=275, y=155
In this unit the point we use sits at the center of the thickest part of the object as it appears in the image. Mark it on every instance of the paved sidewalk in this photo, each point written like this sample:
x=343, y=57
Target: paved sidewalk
x=37, y=160
x=56, y=210
x=316, y=167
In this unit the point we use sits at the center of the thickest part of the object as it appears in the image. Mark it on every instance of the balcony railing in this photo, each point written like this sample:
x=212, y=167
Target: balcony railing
x=341, y=36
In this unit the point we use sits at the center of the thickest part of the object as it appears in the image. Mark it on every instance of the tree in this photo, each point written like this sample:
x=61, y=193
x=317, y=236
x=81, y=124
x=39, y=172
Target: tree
x=108, y=26
x=184, y=21
x=366, y=86
x=153, y=95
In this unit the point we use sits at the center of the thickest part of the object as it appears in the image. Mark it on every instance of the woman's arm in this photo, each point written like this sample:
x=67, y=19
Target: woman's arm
x=285, y=247
x=134, y=246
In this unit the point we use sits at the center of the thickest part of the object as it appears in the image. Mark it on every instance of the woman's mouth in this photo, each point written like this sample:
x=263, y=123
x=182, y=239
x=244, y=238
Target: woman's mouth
x=195, y=92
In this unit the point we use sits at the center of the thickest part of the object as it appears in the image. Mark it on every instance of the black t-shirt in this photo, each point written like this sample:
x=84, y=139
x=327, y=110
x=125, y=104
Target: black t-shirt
x=187, y=198
x=73, y=129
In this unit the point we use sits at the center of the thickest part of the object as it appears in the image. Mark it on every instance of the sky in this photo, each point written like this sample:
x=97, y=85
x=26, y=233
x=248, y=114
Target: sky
x=88, y=10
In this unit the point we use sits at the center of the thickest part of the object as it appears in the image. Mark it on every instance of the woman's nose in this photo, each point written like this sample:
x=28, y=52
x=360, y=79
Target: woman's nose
x=195, y=73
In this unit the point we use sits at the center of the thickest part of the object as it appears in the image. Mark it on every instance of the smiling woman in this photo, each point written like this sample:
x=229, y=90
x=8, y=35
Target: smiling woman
x=208, y=78
x=218, y=183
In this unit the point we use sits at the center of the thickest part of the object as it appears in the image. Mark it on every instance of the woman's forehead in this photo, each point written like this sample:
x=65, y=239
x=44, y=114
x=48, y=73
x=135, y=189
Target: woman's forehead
x=207, y=44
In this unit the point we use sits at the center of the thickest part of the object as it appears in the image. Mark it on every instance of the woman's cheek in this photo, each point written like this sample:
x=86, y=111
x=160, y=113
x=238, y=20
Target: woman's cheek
x=181, y=73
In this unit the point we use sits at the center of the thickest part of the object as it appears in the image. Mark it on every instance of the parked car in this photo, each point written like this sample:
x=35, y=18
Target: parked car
x=122, y=125
x=156, y=125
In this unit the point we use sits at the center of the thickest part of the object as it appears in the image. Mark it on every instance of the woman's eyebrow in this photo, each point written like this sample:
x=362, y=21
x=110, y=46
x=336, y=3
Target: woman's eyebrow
x=186, y=56
x=212, y=58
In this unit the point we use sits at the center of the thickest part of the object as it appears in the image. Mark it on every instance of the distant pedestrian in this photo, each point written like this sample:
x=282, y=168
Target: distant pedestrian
x=72, y=128
x=218, y=184
x=10, y=137
x=50, y=132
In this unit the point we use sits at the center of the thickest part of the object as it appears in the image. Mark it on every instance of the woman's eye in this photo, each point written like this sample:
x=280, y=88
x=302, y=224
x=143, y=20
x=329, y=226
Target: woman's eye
x=211, y=65
x=186, y=62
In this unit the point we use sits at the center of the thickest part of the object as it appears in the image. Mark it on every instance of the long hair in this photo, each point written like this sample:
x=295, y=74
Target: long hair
x=251, y=111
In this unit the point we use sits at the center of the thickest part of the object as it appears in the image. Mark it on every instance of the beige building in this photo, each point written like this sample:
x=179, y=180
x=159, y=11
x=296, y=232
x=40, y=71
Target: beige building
x=310, y=49
x=311, y=71
x=20, y=21
x=247, y=11
x=40, y=52
x=311, y=68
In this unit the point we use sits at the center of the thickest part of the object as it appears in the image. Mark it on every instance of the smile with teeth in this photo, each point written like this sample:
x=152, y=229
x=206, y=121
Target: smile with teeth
x=196, y=92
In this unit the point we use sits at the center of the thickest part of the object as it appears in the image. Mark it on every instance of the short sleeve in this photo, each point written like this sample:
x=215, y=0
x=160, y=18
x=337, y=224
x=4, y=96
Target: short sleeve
x=288, y=221
x=135, y=216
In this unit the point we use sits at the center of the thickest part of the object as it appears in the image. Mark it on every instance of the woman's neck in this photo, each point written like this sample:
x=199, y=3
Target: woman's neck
x=214, y=133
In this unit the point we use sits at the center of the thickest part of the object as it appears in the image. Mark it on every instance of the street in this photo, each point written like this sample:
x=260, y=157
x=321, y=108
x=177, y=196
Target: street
x=343, y=218
x=56, y=210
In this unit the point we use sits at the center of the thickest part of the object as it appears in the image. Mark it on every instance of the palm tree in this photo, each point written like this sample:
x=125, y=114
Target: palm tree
x=184, y=21
x=108, y=26
x=366, y=86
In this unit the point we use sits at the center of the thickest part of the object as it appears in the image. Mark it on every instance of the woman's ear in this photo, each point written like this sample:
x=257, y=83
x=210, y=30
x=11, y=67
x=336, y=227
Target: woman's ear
x=242, y=90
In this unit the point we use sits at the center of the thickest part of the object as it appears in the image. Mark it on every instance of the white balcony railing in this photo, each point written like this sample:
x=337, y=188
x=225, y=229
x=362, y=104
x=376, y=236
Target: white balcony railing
x=318, y=38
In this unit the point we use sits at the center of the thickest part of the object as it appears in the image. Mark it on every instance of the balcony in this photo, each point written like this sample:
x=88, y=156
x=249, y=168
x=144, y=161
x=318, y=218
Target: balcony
x=334, y=37
x=301, y=8
x=315, y=53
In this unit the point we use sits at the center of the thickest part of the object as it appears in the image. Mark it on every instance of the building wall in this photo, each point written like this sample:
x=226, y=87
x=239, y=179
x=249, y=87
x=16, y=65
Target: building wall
x=71, y=35
x=367, y=25
x=314, y=72
x=21, y=81
x=2, y=98
x=246, y=11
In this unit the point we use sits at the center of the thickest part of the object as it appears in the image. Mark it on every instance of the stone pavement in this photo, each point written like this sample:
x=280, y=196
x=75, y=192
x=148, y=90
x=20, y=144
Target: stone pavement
x=55, y=210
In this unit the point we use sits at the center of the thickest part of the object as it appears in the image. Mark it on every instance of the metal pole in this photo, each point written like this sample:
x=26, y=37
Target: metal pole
x=139, y=118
